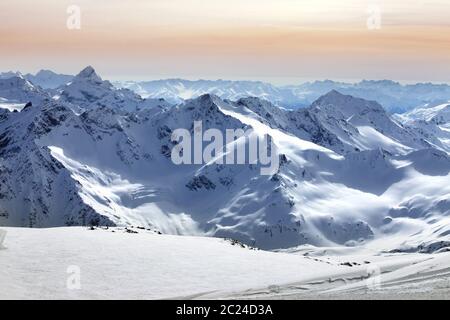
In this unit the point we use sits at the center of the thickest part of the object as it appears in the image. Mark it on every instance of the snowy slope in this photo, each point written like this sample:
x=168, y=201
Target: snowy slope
x=115, y=264
x=158, y=266
x=36, y=189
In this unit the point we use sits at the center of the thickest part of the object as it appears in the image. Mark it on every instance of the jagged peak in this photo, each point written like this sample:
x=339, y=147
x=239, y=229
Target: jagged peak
x=257, y=104
x=254, y=100
x=206, y=100
x=208, y=97
x=89, y=73
x=334, y=94
x=206, y=105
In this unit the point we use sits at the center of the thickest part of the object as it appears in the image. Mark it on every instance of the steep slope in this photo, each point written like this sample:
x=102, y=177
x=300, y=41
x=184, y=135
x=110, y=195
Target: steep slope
x=36, y=190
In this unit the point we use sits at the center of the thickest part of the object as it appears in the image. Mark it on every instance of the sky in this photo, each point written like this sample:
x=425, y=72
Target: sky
x=280, y=41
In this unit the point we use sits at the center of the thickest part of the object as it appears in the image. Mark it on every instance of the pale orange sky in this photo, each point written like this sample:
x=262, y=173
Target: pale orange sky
x=274, y=40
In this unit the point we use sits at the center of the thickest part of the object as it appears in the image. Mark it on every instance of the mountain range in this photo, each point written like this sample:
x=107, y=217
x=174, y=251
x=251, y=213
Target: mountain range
x=85, y=152
x=395, y=97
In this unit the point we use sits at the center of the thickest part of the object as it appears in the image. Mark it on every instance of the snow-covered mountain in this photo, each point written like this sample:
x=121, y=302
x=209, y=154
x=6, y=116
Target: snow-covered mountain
x=16, y=92
x=432, y=121
x=87, y=91
x=394, y=96
x=349, y=173
x=178, y=90
x=341, y=123
x=48, y=79
x=437, y=113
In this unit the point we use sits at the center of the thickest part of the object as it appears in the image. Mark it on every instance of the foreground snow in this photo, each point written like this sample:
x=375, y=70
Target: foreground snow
x=145, y=265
